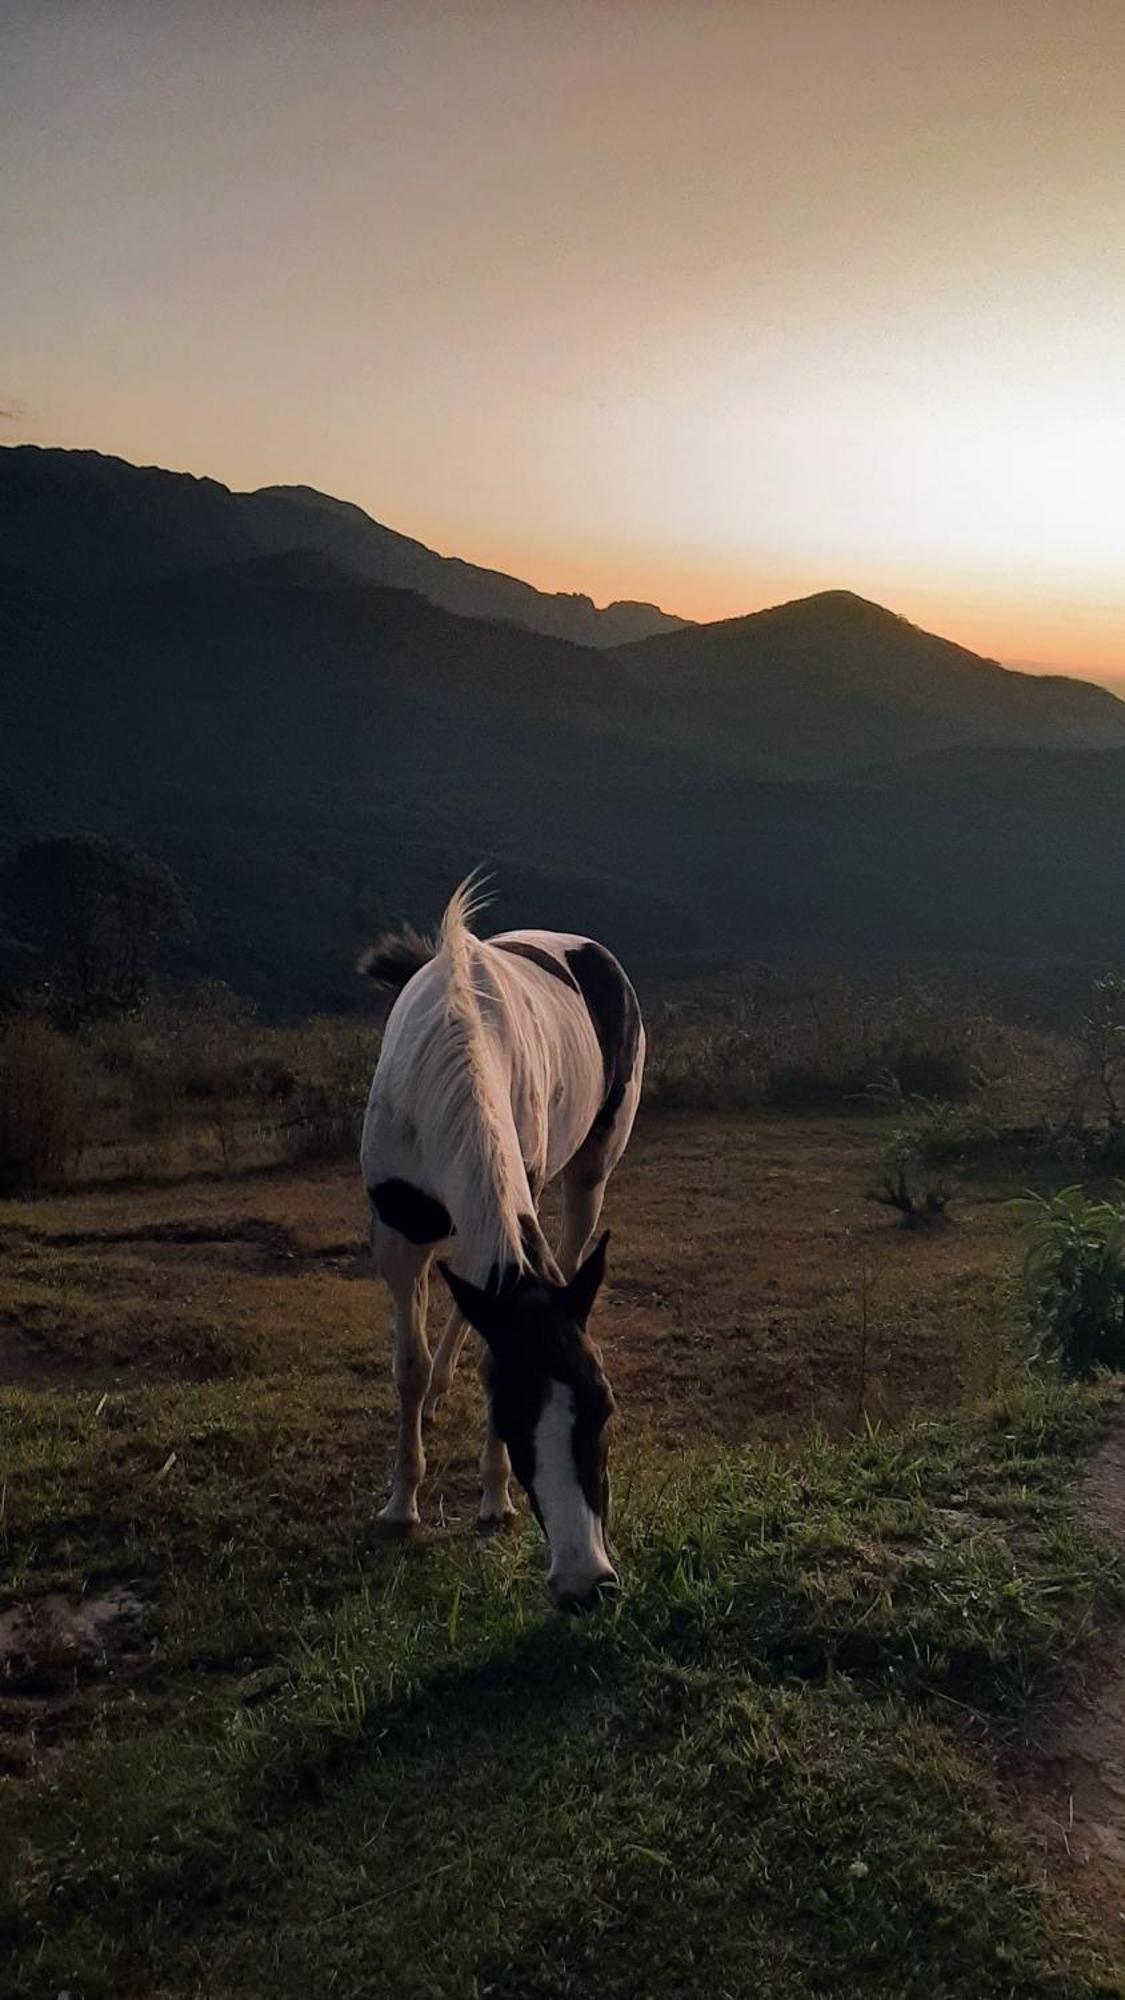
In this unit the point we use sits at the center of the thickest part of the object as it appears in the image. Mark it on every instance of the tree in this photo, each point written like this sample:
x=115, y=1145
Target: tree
x=1101, y=1046
x=97, y=914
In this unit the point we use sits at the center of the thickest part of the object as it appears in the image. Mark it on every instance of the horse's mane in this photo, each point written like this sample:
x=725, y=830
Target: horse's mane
x=475, y=1098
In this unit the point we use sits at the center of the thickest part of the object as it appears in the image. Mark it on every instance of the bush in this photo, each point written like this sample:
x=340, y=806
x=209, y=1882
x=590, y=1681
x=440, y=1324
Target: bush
x=199, y=1063
x=800, y=1049
x=331, y=1063
x=912, y=1180
x=200, y=1049
x=1074, y=1274
x=1099, y=1070
x=40, y=1107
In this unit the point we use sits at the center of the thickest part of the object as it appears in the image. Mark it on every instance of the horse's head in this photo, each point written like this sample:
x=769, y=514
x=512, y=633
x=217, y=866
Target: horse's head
x=551, y=1404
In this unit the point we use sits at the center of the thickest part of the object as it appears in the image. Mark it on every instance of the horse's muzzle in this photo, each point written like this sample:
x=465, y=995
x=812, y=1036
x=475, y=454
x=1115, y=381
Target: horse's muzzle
x=584, y=1596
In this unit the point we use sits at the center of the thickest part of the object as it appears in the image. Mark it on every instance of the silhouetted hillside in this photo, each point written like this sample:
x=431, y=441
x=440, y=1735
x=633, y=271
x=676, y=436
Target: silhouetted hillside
x=91, y=522
x=314, y=753
x=832, y=680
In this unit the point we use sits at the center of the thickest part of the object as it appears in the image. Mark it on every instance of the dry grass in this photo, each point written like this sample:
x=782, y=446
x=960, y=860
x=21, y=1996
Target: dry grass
x=773, y=1042
x=199, y=1080
x=41, y=1113
x=745, y=1260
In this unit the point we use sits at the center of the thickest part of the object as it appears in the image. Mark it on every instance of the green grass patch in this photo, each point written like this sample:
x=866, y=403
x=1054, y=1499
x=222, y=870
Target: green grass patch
x=752, y=1774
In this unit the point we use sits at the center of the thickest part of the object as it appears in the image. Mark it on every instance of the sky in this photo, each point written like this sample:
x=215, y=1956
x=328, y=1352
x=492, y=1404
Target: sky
x=708, y=304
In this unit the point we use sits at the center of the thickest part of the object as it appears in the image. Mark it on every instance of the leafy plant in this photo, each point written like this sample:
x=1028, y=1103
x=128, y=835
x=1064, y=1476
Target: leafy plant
x=1074, y=1274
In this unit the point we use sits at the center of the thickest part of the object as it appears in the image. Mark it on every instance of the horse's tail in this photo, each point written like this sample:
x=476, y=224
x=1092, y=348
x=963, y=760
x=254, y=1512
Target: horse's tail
x=396, y=956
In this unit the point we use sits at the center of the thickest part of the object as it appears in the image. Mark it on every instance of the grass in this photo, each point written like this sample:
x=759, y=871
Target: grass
x=752, y=1774
x=311, y=1763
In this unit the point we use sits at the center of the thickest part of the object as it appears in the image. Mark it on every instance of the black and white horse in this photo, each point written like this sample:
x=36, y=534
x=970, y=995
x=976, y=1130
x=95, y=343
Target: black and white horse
x=505, y=1062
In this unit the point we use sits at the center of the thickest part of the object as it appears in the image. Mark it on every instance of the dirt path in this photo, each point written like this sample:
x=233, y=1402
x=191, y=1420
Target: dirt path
x=1070, y=1787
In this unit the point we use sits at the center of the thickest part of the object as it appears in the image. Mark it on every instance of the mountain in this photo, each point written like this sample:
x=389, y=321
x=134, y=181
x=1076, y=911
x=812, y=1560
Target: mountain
x=311, y=753
x=832, y=681
x=300, y=517
x=316, y=753
x=89, y=522
x=1114, y=682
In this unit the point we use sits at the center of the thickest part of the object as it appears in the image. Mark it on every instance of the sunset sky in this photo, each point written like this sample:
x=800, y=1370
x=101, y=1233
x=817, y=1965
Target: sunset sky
x=710, y=304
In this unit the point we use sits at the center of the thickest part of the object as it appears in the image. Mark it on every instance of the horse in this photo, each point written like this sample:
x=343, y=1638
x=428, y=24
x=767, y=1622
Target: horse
x=505, y=1062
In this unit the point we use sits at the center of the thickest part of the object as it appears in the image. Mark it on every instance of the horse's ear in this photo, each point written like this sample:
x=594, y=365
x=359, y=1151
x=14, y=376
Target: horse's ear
x=478, y=1307
x=586, y=1283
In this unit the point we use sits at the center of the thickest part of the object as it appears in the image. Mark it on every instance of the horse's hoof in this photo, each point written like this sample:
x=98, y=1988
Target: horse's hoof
x=393, y=1528
x=495, y=1524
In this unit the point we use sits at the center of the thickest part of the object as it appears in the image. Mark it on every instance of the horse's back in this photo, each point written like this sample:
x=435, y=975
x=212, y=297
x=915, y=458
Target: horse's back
x=599, y=981
x=563, y=1016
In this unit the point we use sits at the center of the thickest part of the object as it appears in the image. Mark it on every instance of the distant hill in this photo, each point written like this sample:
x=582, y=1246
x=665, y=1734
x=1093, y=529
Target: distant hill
x=315, y=753
x=88, y=521
x=311, y=752
x=832, y=681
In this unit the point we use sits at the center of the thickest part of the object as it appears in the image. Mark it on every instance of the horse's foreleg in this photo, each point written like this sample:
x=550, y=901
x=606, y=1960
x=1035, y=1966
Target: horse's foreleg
x=495, y=1468
x=407, y=1274
x=445, y=1360
x=583, y=1195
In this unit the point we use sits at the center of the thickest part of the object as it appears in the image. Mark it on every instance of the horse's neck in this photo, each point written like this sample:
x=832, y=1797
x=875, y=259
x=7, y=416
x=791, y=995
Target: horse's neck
x=488, y=1192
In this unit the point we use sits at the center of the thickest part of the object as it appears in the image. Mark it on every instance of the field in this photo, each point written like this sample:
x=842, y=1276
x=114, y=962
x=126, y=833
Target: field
x=250, y=1748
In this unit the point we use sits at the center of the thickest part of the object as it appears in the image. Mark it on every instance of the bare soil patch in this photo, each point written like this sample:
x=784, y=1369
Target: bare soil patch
x=52, y=1635
x=1068, y=1785
x=753, y=1287
x=56, y=1653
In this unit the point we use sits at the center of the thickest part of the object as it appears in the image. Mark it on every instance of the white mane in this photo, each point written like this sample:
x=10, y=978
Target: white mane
x=468, y=1098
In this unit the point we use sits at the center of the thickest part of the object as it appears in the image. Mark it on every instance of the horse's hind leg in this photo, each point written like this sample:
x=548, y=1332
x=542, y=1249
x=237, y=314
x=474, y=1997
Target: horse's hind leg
x=584, y=1179
x=445, y=1361
x=406, y=1268
x=583, y=1184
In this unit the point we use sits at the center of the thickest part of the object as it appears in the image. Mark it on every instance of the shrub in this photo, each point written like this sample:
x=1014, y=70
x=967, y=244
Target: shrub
x=331, y=1063
x=912, y=1181
x=799, y=1049
x=1099, y=1073
x=40, y=1107
x=202, y=1049
x=1074, y=1276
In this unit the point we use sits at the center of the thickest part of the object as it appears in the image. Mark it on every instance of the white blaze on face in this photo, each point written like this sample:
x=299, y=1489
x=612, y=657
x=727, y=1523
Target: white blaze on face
x=574, y=1531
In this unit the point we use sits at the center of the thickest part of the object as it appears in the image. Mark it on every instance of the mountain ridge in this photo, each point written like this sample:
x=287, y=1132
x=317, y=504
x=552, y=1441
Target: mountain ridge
x=212, y=518
x=316, y=752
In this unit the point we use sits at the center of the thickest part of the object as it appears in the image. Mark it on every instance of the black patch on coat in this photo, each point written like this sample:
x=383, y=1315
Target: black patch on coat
x=415, y=1214
x=613, y=1009
x=539, y=957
